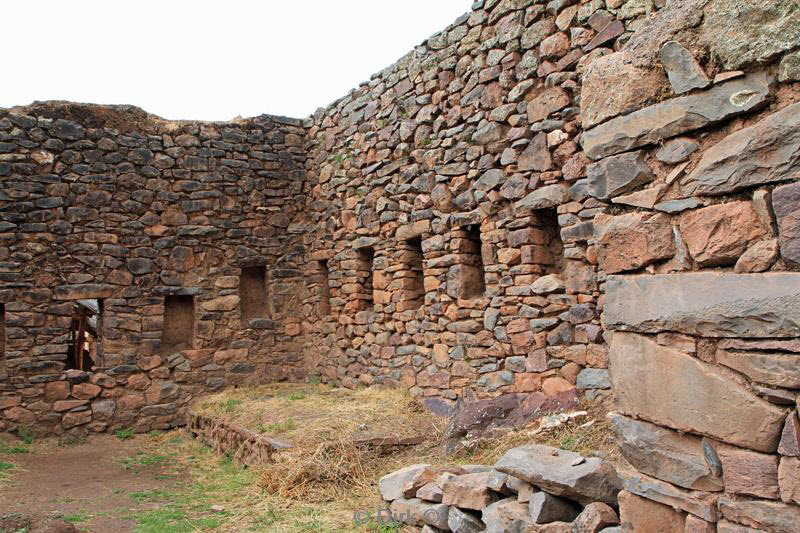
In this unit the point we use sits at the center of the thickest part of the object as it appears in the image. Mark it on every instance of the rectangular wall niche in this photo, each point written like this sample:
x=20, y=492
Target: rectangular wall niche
x=365, y=265
x=178, y=323
x=254, y=297
x=324, y=289
x=466, y=279
x=411, y=280
x=2, y=339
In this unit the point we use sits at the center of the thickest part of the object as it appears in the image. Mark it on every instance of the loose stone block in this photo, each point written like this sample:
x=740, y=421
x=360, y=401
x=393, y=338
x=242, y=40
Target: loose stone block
x=640, y=514
x=545, y=508
x=683, y=70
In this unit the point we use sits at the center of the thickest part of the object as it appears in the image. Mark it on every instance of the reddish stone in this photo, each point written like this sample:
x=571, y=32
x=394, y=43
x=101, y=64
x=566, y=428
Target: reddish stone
x=85, y=391
x=55, y=390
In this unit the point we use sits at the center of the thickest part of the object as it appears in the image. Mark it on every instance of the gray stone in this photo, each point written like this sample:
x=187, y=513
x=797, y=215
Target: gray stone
x=545, y=508
x=755, y=31
x=671, y=388
x=786, y=204
x=463, y=522
x=770, y=516
x=706, y=304
x=618, y=175
x=778, y=369
x=683, y=70
x=545, y=197
x=416, y=512
x=789, y=69
x=554, y=470
x=490, y=179
x=767, y=152
x=499, y=516
x=698, y=503
x=677, y=206
x=678, y=115
x=593, y=378
x=677, y=150
x=392, y=485
x=665, y=454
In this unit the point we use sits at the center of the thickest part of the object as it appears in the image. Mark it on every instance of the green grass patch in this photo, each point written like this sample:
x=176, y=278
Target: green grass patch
x=278, y=427
x=78, y=517
x=7, y=448
x=151, y=496
x=124, y=433
x=135, y=462
x=5, y=468
x=230, y=405
x=25, y=435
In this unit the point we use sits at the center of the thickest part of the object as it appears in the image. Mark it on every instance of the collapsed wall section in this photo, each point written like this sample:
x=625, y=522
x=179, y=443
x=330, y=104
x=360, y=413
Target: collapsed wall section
x=124, y=240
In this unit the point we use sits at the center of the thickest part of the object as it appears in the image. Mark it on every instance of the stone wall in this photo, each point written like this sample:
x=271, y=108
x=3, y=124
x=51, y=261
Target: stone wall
x=112, y=204
x=545, y=198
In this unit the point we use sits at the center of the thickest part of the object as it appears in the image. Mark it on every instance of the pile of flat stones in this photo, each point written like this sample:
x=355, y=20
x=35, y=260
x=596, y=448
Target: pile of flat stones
x=532, y=488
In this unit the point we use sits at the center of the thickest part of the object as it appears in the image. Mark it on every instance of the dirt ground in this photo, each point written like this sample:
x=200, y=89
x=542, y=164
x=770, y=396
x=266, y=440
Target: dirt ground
x=93, y=484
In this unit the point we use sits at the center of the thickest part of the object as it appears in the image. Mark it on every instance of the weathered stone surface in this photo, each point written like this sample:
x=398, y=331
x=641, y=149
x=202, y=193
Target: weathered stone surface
x=777, y=369
x=673, y=389
x=593, y=378
x=536, y=155
x=545, y=508
x=789, y=69
x=767, y=152
x=790, y=438
x=632, y=241
x=86, y=291
x=550, y=101
x=770, y=516
x=462, y=522
x=756, y=30
x=679, y=115
x=640, y=514
x=595, y=517
x=426, y=476
x=732, y=305
x=677, y=150
x=723, y=526
x=747, y=472
x=468, y=491
x=613, y=85
x=698, y=525
x=683, y=70
x=717, y=235
x=544, y=197
x=416, y=512
x=759, y=257
x=553, y=471
x=223, y=303
x=392, y=485
x=698, y=503
x=665, y=454
x=646, y=198
x=618, y=175
x=499, y=516
x=786, y=204
x=789, y=479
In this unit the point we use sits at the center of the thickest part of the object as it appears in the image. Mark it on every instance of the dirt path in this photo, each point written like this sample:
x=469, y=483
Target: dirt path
x=99, y=485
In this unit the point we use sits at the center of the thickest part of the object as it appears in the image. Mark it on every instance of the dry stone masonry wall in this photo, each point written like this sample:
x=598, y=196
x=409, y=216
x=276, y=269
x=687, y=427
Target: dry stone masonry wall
x=156, y=221
x=546, y=199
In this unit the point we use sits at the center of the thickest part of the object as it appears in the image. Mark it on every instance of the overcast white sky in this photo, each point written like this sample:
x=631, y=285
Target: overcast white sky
x=209, y=60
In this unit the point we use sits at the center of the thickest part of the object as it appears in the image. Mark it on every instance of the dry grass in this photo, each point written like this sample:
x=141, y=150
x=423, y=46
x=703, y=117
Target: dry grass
x=325, y=477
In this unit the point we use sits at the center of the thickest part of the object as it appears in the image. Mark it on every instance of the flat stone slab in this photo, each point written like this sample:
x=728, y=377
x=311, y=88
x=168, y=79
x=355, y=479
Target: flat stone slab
x=767, y=152
x=671, y=388
x=665, y=454
x=554, y=470
x=706, y=304
x=764, y=515
x=698, y=503
x=678, y=115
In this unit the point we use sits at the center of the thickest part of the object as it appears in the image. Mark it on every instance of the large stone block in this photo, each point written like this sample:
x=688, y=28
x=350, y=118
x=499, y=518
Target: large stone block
x=640, y=514
x=665, y=454
x=678, y=115
x=769, y=516
x=554, y=470
x=707, y=304
x=747, y=472
x=746, y=32
x=698, y=503
x=633, y=240
x=786, y=204
x=779, y=369
x=618, y=175
x=719, y=234
x=767, y=152
x=673, y=389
